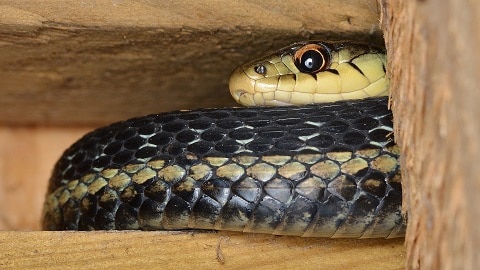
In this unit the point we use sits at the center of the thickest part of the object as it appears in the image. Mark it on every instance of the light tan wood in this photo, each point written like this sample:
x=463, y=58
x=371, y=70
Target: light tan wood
x=82, y=63
x=85, y=63
x=27, y=156
x=434, y=63
x=154, y=250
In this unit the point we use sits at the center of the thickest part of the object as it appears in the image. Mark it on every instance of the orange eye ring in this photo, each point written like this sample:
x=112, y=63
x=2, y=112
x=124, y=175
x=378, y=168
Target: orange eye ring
x=312, y=58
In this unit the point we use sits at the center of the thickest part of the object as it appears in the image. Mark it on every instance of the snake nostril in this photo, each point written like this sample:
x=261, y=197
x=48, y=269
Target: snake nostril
x=260, y=69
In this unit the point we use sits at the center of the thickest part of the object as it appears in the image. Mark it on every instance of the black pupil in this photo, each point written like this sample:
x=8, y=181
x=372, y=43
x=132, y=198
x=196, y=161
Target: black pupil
x=311, y=61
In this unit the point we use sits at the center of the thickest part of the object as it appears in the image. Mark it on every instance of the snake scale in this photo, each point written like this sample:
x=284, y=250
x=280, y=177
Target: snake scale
x=314, y=170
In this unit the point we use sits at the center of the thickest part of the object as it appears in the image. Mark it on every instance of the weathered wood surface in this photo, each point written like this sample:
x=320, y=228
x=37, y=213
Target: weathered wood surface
x=85, y=63
x=95, y=62
x=154, y=250
x=435, y=69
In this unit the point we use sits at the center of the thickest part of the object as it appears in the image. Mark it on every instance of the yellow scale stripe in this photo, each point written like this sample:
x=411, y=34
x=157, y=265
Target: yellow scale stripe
x=322, y=167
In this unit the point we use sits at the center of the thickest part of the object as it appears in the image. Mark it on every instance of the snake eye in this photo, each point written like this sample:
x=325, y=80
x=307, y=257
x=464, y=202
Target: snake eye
x=312, y=58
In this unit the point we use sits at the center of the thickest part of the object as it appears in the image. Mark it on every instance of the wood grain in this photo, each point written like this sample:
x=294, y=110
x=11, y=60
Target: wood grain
x=85, y=63
x=69, y=62
x=153, y=250
x=434, y=64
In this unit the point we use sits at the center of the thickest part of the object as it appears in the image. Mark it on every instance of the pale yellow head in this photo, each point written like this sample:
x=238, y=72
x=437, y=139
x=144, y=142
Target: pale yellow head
x=311, y=72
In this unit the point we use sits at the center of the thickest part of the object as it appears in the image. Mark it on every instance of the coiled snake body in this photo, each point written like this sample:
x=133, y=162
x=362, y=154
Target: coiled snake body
x=324, y=170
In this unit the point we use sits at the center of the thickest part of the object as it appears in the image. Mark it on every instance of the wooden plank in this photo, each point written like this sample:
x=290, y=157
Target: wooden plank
x=153, y=250
x=70, y=62
x=88, y=63
x=434, y=63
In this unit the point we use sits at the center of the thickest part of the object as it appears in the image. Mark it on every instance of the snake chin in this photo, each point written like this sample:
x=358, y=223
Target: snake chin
x=277, y=103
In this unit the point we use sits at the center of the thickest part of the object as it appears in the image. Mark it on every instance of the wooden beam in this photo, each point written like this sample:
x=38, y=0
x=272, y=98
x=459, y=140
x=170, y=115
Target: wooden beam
x=153, y=250
x=84, y=64
x=88, y=63
x=434, y=64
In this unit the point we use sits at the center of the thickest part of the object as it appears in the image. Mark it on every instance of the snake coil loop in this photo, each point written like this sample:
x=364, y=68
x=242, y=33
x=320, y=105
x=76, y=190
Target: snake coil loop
x=323, y=170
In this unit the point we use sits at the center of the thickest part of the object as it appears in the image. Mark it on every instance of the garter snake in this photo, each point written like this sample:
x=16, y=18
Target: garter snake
x=313, y=170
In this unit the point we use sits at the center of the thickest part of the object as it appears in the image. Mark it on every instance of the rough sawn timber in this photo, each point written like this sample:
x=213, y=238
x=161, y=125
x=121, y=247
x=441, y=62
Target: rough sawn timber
x=434, y=62
x=85, y=63
x=70, y=62
x=161, y=250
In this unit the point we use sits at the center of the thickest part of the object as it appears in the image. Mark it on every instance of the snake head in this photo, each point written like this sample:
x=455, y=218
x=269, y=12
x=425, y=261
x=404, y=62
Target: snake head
x=311, y=72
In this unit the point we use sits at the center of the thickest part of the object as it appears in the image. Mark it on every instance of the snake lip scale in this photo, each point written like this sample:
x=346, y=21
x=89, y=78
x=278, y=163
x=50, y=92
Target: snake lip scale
x=323, y=170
